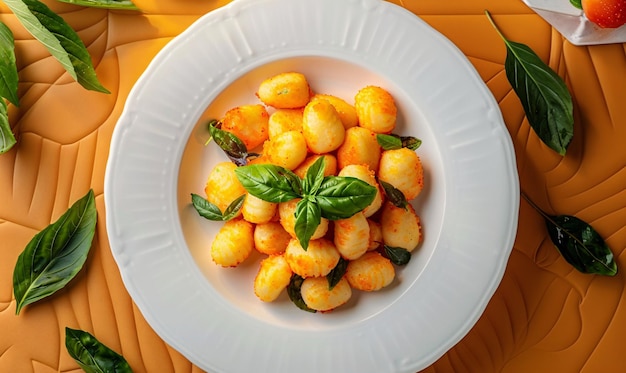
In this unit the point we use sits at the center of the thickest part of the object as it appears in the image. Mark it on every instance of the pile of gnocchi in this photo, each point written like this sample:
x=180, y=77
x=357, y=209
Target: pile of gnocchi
x=292, y=127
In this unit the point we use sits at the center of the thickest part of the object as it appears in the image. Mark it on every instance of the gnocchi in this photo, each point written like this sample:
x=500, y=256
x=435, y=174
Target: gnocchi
x=295, y=127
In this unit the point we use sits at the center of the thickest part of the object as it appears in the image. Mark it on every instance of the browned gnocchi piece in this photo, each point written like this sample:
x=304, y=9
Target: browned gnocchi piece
x=400, y=227
x=249, y=123
x=359, y=147
x=272, y=278
x=288, y=90
x=347, y=112
x=370, y=272
x=233, y=243
x=376, y=109
x=222, y=186
x=284, y=120
x=256, y=210
x=287, y=149
x=317, y=260
x=322, y=127
x=330, y=165
x=317, y=295
x=363, y=173
x=286, y=213
x=403, y=169
x=352, y=236
x=271, y=238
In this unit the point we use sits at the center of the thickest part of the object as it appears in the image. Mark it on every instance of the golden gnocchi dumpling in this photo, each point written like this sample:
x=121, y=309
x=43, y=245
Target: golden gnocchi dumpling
x=363, y=173
x=256, y=210
x=403, y=169
x=322, y=127
x=288, y=90
x=271, y=238
x=359, y=147
x=330, y=165
x=286, y=213
x=272, y=278
x=400, y=227
x=376, y=235
x=222, y=186
x=284, y=120
x=352, y=236
x=376, y=109
x=370, y=272
x=249, y=123
x=317, y=295
x=287, y=149
x=317, y=260
x=346, y=112
x=233, y=243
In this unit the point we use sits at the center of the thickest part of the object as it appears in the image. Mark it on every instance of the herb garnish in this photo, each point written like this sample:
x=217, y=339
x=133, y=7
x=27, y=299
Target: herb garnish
x=210, y=211
x=92, y=355
x=393, y=141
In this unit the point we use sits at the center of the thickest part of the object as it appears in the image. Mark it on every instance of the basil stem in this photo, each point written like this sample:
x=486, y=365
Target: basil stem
x=92, y=355
x=7, y=139
x=55, y=255
x=293, y=291
x=59, y=39
x=107, y=4
x=8, y=68
x=210, y=211
x=545, y=97
x=579, y=244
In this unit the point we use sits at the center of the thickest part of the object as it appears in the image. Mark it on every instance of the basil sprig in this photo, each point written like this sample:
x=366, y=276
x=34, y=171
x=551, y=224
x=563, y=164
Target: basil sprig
x=234, y=148
x=210, y=211
x=107, y=4
x=331, y=197
x=92, y=355
x=393, y=141
x=545, y=97
x=55, y=255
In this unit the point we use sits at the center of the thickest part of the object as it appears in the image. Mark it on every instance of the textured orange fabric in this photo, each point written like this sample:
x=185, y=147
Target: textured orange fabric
x=544, y=317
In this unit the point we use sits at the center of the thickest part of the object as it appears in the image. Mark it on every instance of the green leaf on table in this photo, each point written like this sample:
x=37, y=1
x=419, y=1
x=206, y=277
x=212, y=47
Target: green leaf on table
x=580, y=245
x=59, y=38
x=7, y=139
x=8, y=68
x=308, y=217
x=92, y=355
x=341, y=197
x=56, y=254
x=545, y=97
x=576, y=3
x=269, y=182
x=107, y=4
x=210, y=211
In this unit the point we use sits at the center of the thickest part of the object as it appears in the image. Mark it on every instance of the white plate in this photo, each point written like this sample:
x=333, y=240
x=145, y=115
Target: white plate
x=469, y=206
x=573, y=25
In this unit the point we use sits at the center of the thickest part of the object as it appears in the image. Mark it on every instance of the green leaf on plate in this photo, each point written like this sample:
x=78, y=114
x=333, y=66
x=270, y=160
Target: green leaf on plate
x=59, y=38
x=210, y=211
x=295, y=295
x=314, y=176
x=341, y=197
x=545, y=97
x=393, y=141
x=580, y=245
x=337, y=273
x=308, y=217
x=8, y=68
x=394, y=195
x=269, y=182
x=576, y=3
x=7, y=139
x=397, y=255
x=55, y=255
x=107, y=4
x=92, y=355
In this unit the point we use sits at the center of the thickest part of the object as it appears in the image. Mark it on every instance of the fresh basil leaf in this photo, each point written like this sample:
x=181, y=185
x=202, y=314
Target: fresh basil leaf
x=59, y=39
x=92, y=355
x=8, y=68
x=234, y=148
x=341, y=197
x=411, y=142
x=293, y=291
x=7, y=139
x=545, y=97
x=398, y=255
x=107, y=4
x=394, y=195
x=581, y=245
x=314, y=176
x=337, y=273
x=576, y=3
x=55, y=255
x=308, y=217
x=269, y=182
x=393, y=141
x=233, y=209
